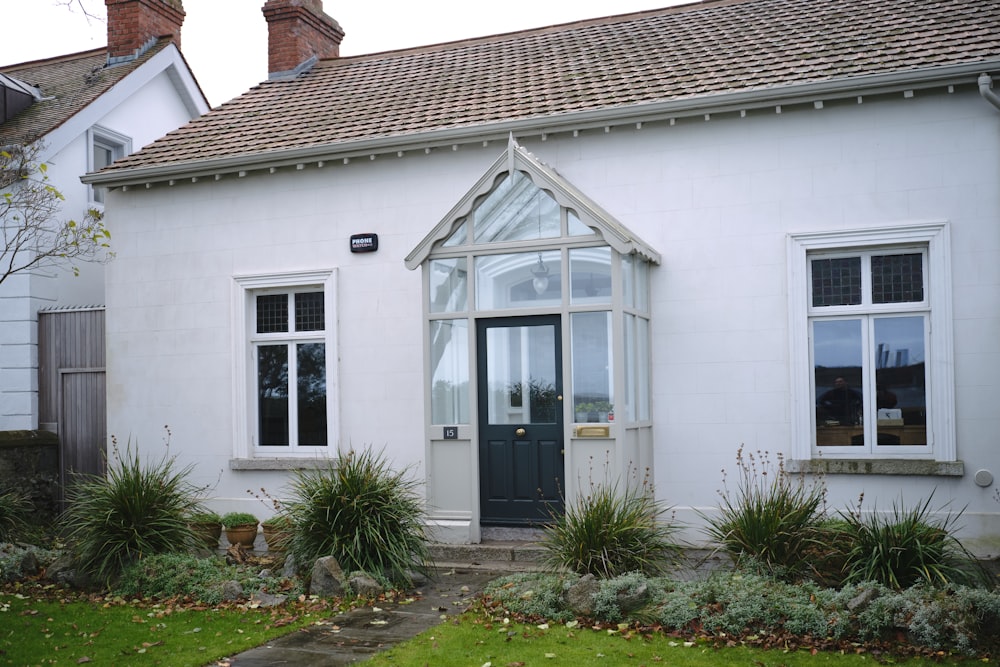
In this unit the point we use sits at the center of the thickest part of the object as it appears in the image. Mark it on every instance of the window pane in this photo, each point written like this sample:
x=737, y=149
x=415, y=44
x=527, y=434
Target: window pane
x=590, y=275
x=897, y=278
x=458, y=237
x=272, y=313
x=575, y=226
x=520, y=362
x=642, y=370
x=449, y=285
x=312, y=393
x=901, y=389
x=520, y=280
x=517, y=210
x=836, y=282
x=628, y=281
x=837, y=359
x=449, y=371
x=272, y=394
x=592, y=366
x=309, y=314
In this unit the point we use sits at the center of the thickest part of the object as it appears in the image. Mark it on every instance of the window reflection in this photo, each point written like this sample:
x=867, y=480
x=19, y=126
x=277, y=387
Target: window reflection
x=901, y=388
x=517, y=210
x=837, y=359
x=509, y=281
x=521, y=375
x=449, y=371
x=591, y=354
x=312, y=393
x=272, y=394
x=590, y=275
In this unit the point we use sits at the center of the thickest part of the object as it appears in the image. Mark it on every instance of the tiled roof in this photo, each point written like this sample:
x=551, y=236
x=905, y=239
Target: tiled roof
x=680, y=53
x=68, y=84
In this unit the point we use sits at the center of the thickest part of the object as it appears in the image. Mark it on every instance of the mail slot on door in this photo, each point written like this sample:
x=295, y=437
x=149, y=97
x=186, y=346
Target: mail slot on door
x=592, y=431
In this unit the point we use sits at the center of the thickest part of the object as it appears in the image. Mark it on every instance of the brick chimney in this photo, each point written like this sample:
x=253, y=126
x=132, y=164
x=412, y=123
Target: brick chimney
x=298, y=30
x=133, y=24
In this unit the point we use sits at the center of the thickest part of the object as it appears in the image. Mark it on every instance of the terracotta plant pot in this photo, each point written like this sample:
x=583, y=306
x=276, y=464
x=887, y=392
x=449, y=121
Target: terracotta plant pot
x=276, y=538
x=243, y=535
x=207, y=533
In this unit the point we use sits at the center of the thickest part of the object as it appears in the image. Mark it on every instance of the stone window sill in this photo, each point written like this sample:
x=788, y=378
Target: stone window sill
x=911, y=467
x=287, y=463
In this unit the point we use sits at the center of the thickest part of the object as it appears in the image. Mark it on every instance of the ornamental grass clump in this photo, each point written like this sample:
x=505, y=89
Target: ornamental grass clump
x=363, y=513
x=771, y=521
x=610, y=532
x=905, y=547
x=14, y=510
x=138, y=509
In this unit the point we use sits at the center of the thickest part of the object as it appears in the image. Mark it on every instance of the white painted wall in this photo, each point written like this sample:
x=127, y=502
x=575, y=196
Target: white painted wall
x=147, y=113
x=716, y=198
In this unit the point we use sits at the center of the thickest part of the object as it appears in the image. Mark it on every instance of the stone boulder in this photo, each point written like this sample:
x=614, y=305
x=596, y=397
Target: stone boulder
x=580, y=595
x=327, y=579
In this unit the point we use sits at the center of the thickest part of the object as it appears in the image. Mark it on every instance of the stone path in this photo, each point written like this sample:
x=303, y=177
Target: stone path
x=356, y=635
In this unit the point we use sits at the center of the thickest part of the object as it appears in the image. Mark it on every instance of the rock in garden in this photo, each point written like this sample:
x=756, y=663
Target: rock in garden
x=862, y=599
x=365, y=585
x=631, y=599
x=327, y=578
x=580, y=596
x=290, y=569
x=231, y=590
x=265, y=599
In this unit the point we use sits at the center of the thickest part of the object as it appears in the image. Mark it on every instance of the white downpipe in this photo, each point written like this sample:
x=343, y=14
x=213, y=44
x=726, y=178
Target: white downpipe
x=986, y=90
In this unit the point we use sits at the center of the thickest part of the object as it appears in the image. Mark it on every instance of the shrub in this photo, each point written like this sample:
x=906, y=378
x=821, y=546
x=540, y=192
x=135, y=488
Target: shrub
x=13, y=514
x=205, y=518
x=530, y=593
x=611, y=532
x=360, y=511
x=907, y=546
x=233, y=519
x=164, y=576
x=137, y=510
x=771, y=519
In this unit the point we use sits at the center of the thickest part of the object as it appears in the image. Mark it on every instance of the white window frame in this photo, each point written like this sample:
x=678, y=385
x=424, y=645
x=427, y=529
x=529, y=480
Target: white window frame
x=934, y=237
x=245, y=290
x=120, y=146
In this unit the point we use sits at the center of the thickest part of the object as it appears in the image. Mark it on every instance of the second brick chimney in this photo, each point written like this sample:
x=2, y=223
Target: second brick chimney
x=297, y=31
x=134, y=24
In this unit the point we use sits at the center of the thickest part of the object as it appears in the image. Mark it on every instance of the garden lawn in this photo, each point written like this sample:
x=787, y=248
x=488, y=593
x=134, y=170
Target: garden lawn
x=469, y=641
x=112, y=631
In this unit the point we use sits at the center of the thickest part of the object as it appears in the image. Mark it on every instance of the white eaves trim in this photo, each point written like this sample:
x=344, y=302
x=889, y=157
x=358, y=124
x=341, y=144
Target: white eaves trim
x=869, y=85
x=168, y=61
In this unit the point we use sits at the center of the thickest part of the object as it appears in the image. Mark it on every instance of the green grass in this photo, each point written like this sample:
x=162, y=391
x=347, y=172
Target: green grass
x=472, y=641
x=109, y=631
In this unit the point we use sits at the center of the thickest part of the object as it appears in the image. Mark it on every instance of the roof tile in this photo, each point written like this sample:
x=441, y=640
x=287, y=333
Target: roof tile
x=677, y=53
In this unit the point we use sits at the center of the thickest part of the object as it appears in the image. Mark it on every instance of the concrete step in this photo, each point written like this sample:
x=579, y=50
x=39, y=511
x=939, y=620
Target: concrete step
x=496, y=555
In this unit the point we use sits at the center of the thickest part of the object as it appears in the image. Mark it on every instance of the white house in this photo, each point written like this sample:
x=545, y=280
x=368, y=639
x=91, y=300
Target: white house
x=614, y=249
x=84, y=110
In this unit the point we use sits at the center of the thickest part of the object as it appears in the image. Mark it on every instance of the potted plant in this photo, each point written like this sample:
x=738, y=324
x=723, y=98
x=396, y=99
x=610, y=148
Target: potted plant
x=583, y=411
x=603, y=408
x=241, y=528
x=277, y=532
x=207, y=527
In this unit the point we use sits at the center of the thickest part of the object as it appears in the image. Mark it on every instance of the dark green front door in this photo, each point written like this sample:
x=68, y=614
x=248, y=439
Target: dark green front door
x=520, y=419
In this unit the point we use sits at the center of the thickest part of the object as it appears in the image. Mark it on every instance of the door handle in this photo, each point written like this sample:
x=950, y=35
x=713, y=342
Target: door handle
x=520, y=432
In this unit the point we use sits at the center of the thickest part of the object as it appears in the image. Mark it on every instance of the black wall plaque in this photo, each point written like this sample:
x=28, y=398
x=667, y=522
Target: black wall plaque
x=364, y=242
x=451, y=433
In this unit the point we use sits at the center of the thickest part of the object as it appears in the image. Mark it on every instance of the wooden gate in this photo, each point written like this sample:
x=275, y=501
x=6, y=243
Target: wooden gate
x=71, y=386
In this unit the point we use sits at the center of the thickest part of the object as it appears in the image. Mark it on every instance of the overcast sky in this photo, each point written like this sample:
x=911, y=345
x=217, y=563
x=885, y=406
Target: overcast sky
x=225, y=41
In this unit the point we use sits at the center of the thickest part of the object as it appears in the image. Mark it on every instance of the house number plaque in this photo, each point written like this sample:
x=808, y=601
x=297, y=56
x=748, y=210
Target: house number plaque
x=451, y=433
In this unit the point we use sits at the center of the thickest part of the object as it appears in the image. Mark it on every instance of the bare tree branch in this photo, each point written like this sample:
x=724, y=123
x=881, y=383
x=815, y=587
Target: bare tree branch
x=30, y=235
x=70, y=4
